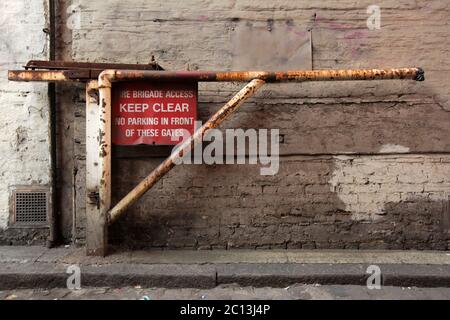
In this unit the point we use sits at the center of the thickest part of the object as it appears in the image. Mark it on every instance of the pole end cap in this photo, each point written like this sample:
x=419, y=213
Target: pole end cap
x=420, y=75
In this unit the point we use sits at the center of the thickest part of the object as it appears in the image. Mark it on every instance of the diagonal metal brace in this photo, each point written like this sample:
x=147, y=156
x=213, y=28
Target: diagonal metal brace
x=187, y=146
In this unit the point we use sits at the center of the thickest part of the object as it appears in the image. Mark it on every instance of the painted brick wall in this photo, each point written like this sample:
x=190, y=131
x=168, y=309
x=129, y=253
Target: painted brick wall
x=364, y=164
x=24, y=148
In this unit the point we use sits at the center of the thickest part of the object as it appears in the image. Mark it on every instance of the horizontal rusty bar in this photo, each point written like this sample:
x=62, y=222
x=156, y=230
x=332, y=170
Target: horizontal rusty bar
x=287, y=76
x=71, y=65
x=211, y=76
x=70, y=71
x=49, y=76
x=54, y=75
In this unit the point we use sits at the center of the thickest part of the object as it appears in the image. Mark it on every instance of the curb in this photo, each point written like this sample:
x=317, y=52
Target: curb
x=48, y=275
x=283, y=275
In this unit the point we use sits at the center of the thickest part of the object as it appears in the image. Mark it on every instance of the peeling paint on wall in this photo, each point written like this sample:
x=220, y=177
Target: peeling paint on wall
x=24, y=117
x=393, y=148
x=367, y=184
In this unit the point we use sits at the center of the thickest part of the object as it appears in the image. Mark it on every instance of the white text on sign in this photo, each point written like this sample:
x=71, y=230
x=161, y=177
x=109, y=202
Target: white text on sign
x=156, y=107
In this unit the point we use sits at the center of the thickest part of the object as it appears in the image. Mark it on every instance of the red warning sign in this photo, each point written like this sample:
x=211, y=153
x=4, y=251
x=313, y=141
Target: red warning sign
x=153, y=113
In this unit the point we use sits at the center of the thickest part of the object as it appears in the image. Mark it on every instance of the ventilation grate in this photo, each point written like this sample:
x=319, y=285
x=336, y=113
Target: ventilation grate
x=30, y=207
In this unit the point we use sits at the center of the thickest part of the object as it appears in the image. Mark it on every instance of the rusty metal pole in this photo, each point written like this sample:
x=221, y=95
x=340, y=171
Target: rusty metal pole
x=104, y=89
x=104, y=149
x=282, y=76
x=188, y=145
x=96, y=226
x=213, y=76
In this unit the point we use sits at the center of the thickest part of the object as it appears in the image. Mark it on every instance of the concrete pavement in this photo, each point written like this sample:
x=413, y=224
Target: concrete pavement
x=232, y=292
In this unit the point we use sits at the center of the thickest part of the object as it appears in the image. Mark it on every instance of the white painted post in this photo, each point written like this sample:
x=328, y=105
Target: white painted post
x=96, y=226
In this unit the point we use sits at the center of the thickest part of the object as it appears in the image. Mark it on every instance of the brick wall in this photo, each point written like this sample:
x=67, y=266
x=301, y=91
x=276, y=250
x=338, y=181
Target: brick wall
x=24, y=148
x=313, y=202
x=363, y=164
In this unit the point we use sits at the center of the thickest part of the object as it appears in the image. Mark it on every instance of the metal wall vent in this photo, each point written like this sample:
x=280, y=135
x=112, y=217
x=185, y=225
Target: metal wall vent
x=30, y=206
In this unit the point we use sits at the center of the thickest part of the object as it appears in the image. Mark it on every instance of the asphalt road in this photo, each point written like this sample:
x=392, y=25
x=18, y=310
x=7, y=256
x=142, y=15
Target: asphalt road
x=231, y=292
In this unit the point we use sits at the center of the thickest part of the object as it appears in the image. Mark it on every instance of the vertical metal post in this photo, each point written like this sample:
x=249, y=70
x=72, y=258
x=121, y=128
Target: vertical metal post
x=105, y=96
x=96, y=226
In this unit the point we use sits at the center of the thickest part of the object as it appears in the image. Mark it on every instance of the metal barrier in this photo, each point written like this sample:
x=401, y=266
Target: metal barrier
x=98, y=121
